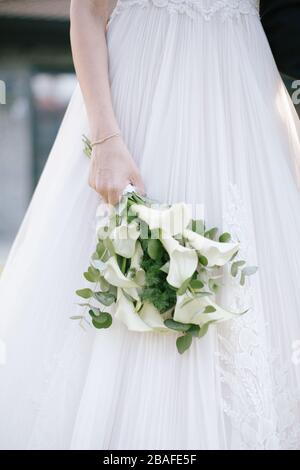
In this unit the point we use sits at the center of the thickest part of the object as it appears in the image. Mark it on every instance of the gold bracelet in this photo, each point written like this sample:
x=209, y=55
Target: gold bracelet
x=108, y=137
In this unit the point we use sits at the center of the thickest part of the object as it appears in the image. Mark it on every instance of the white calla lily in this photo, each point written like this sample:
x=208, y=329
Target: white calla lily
x=124, y=239
x=151, y=316
x=125, y=312
x=114, y=276
x=132, y=292
x=173, y=220
x=137, y=256
x=183, y=261
x=191, y=310
x=216, y=253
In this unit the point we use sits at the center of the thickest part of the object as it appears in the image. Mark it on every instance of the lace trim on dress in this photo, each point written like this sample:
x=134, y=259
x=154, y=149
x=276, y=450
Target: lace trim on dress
x=260, y=402
x=206, y=8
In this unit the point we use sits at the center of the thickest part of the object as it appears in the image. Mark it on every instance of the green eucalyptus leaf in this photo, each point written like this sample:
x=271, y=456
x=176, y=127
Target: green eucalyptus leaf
x=109, y=246
x=235, y=267
x=184, y=342
x=234, y=255
x=94, y=312
x=225, y=237
x=77, y=317
x=203, y=330
x=113, y=290
x=104, y=320
x=104, y=285
x=85, y=293
x=94, y=272
x=154, y=248
x=196, y=284
x=209, y=309
x=242, y=279
x=177, y=326
x=203, y=260
x=88, y=277
x=249, y=270
x=100, y=249
x=105, y=298
x=212, y=233
x=184, y=287
x=194, y=330
x=92, y=275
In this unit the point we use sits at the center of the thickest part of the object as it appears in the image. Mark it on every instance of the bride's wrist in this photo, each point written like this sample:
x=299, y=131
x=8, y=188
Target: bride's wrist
x=103, y=127
x=105, y=138
x=101, y=132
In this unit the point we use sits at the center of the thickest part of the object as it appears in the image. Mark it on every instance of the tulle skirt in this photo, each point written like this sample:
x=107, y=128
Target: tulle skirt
x=206, y=116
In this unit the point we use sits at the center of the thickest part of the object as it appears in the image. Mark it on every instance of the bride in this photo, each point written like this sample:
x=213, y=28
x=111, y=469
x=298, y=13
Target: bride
x=182, y=99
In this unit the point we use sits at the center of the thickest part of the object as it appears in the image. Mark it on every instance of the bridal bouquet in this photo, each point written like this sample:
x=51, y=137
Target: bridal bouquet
x=157, y=269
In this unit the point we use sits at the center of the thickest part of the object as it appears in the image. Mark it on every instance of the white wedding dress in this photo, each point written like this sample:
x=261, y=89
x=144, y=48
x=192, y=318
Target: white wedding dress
x=205, y=114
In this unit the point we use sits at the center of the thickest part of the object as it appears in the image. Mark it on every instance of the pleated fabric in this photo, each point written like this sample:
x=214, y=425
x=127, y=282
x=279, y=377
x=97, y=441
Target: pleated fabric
x=206, y=116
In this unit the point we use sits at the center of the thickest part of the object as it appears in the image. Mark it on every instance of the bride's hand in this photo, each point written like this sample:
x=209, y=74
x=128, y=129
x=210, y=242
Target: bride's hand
x=112, y=169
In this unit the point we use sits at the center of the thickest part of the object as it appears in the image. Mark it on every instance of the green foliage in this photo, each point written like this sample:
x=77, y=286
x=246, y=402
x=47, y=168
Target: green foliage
x=155, y=249
x=235, y=267
x=204, y=330
x=212, y=233
x=85, y=293
x=209, y=309
x=203, y=260
x=92, y=274
x=156, y=290
x=182, y=289
x=105, y=298
x=100, y=319
x=247, y=271
x=184, y=342
x=123, y=263
x=194, y=330
x=177, y=326
x=225, y=237
x=196, y=284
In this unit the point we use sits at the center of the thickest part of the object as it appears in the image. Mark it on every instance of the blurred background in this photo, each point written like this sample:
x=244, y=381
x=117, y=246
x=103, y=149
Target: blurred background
x=36, y=68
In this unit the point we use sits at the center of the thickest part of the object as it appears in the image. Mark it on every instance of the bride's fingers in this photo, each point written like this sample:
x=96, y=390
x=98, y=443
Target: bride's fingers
x=101, y=189
x=114, y=195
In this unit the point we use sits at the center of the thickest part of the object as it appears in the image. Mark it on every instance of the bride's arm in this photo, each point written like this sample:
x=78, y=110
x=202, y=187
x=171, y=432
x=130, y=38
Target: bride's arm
x=112, y=166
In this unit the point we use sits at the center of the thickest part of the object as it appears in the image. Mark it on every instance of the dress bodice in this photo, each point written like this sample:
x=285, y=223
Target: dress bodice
x=206, y=8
